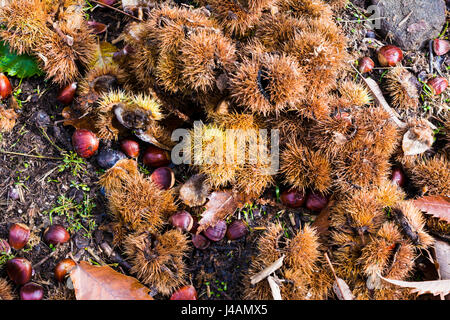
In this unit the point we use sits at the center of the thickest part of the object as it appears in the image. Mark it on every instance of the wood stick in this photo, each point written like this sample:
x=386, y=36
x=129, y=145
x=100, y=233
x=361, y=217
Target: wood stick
x=267, y=271
x=275, y=288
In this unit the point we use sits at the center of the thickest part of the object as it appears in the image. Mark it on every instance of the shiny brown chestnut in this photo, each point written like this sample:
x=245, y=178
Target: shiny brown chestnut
x=5, y=86
x=67, y=94
x=130, y=148
x=156, y=157
x=236, y=230
x=441, y=46
x=31, y=291
x=438, y=85
x=184, y=293
x=56, y=234
x=293, y=198
x=19, y=270
x=63, y=268
x=216, y=232
x=398, y=176
x=5, y=248
x=85, y=143
x=163, y=177
x=365, y=65
x=316, y=201
x=390, y=55
x=182, y=220
x=18, y=235
x=200, y=242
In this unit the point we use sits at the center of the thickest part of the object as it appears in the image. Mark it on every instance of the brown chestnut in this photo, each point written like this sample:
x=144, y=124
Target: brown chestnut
x=200, y=242
x=31, y=291
x=216, y=232
x=390, y=55
x=5, y=248
x=56, y=234
x=19, y=270
x=63, y=268
x=293, y=198
x=316, y=201
x=184, y=293
x=438, y=85
x=182, y=220
x=5, y=86
x=85, y=143
x=366, y=64
x=66, y=95
x=398, y=176
x=163, y=177
x=236, y=230
x=441, y=46
x=18, y=235
x=156, y=157
x=130, y=148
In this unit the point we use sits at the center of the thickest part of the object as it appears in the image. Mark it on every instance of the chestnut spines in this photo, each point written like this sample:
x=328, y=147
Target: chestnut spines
x=390, y=55
x=85, y=143
x=5, y=86
x=18, y=235
x=31, y=291
x=19, y=270
x=63, y=268
x=56, y=234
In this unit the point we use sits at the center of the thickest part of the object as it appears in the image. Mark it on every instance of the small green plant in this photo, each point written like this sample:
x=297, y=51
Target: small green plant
x=78, y=215
x=5, y=257
x=73, y=162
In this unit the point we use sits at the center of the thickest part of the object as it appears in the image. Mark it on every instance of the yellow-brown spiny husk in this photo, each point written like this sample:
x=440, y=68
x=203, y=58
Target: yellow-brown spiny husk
x=432, y=175
x=304, y=168
x=135, y=202
x=271, y=246
x=157, y=259
x=412, y=223
x=268, y=83
x=5, y=290
x=355, y=93
x=401, y=86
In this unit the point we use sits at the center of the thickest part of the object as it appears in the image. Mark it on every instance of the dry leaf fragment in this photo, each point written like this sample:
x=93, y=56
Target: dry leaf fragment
x=220, y=205
x=104, y=283
x=195, y=191
x=72, y=119
x=7, y=119
x=417, y=140
x=437, y=206
x=442, y=250
x=436, y=287
x=342, y=290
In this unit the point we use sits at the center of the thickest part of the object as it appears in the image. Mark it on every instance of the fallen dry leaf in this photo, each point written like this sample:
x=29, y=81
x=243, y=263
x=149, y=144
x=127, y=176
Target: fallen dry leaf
x=442, y=250
x=436, y=287
x=104, y=54
x=437, y=206
x=195, y=191
x=104, y=283
x=417, y=140
x=322, y=222
x=220, y=205
x=71, y=119
x=342, y=290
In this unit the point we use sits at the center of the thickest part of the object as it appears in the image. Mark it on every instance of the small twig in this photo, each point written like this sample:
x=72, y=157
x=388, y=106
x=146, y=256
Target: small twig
x=267, y=271
x=275, y=288
x=113, y=8
x=96, y=257
x=45, y=259
x=29, y=155
x=430, y=49
x=404, y=20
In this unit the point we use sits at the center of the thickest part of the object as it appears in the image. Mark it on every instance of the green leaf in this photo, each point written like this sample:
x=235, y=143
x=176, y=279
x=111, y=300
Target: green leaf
x=21, y=66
